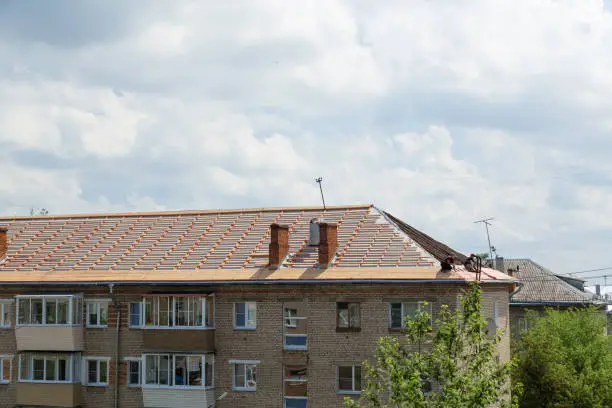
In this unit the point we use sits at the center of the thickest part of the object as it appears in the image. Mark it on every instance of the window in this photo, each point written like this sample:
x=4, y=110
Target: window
x=398, y=311
x=496, y=318
x=177, y=370
x=295, y=327
x=135, y=314
x=245, y=315
x=188, y=311
x=348, y=316
x=5, y=318
x=133, y=371
x=48, y=310
x=97, y=314
x=523, y=323
x=5, y=369
x=245, y=375
x=49, y=368
x=295, y=392
x=97, y=371
x=349, y=379
x=174, y=311
x=289, y=313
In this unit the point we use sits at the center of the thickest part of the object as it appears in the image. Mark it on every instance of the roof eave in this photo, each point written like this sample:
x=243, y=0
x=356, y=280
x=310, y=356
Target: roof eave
x=249, y=282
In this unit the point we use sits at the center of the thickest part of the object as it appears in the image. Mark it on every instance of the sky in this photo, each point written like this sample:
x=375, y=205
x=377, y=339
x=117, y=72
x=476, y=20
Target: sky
x=441, y=112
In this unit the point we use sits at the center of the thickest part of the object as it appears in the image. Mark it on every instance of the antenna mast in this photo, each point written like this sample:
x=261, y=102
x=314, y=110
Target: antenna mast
x=320, y=181
x=487, y=224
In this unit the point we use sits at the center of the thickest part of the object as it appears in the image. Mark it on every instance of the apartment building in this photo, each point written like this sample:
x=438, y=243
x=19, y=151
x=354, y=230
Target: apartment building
x=235, y=308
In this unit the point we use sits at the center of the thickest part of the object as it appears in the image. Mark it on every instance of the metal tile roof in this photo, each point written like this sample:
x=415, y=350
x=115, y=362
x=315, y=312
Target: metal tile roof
x=145, y=246
x=541, y=286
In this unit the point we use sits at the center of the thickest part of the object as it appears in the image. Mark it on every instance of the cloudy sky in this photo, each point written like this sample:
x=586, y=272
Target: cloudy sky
x=440, y=111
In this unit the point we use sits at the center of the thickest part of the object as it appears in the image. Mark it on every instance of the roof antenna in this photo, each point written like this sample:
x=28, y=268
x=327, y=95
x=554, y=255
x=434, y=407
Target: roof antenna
x=486, y=222
x=320, y=181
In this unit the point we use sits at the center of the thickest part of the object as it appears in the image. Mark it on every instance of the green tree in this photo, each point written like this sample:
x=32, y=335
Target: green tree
x=454, y=367
x=565, y=360
x=42, y=211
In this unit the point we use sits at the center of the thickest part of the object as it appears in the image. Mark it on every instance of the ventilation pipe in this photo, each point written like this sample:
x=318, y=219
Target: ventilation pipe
x=315, y=236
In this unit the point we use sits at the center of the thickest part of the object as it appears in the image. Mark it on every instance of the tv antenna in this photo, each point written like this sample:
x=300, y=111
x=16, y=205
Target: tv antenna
x=486, y=223
x=320, y=182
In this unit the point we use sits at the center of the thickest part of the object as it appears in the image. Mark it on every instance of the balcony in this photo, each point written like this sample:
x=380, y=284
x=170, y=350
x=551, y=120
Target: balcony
x=178, y=340
x=180, y=397
x=49, y=394
x=49, y=338
x=49, y=323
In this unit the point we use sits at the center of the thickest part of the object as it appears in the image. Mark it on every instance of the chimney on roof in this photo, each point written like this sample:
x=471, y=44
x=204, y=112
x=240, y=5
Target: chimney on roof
x=328, y=242
x=3, y=242
x=314, y=237
x=499, y=263
x=279, y=244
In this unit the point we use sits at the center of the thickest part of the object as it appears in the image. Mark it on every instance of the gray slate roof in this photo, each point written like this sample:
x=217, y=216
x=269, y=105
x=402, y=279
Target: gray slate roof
x=541, y=286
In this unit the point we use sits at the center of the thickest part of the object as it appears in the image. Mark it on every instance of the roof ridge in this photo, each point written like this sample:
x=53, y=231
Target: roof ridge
x=182, y=212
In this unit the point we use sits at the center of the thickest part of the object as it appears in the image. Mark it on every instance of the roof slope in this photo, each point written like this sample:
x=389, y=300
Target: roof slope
x=218, y=245
x=201, y=240
x=541, y=286
x=439, y=250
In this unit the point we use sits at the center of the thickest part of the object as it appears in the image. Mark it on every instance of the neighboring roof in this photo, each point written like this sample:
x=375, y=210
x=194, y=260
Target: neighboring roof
x=541, y=286
x=215, y=245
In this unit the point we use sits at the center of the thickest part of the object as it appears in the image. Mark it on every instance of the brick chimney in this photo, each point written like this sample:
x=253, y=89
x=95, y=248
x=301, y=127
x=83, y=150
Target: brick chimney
x=3, y=242
x=328, y=235
x=279, y=244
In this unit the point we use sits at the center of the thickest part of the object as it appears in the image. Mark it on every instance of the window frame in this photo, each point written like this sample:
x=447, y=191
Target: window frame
x=140, y=315
x=5, y=305
x=348, y=308
x=289, y=318
x=73, y=368
x=352, y=391
x=172, y=370
x=129, y=361
x=523, y=324
x=4, y=357
x=245, y=363
x=98, y=361
x=98, y=305
x=421, y=304
x=74, y=311
x=208, y=312
x=300, y=380
x=247, y=309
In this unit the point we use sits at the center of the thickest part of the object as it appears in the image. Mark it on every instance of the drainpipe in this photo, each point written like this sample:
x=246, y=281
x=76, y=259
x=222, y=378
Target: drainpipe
x=117, y=324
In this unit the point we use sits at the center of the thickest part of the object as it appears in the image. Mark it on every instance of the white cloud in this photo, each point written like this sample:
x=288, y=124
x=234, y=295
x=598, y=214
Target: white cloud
x=442, y=112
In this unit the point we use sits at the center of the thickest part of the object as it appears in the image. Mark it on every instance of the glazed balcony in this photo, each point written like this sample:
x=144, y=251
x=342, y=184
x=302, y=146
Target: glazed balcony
x=49, y=323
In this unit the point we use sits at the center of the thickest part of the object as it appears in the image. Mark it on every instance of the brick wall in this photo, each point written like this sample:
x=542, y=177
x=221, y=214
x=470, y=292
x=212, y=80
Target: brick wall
x=327, y=347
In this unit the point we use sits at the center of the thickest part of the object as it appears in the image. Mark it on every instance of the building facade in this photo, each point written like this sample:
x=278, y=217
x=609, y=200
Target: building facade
x=263, y=308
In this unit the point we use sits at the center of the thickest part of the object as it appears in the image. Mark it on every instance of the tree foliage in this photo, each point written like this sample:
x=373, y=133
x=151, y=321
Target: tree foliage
x=41, y=211
x=565, y=360
x=453, y=367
